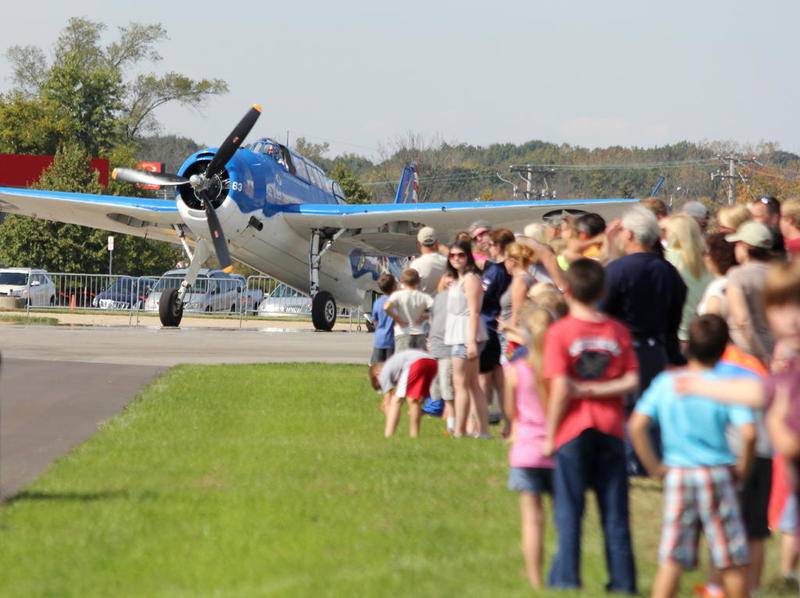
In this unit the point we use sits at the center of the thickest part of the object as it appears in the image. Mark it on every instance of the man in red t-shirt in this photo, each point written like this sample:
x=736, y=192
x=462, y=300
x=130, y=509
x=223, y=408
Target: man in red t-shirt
x=590, y=364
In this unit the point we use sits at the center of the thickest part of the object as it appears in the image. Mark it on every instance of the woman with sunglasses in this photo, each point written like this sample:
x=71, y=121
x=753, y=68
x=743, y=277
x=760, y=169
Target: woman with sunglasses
x=466, y=334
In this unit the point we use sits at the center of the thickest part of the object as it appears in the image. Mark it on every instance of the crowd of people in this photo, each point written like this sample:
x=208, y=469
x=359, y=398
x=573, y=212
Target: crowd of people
x=658, y=344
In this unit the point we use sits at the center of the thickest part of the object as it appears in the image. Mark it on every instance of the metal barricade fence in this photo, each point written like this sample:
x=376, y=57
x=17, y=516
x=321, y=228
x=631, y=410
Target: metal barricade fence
x=77, y=291
x=234, y=296
x=220, y=296
x=271, y=298
x=277, y=299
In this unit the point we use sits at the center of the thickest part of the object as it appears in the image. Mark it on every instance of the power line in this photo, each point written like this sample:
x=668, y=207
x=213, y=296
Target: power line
x=554, y=168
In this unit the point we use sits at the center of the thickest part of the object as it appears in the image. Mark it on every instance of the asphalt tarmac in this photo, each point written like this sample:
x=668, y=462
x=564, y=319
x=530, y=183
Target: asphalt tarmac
x=58, y=384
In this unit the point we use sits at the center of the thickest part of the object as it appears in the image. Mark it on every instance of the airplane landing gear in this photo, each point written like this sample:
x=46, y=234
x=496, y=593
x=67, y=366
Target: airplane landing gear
x=323, y=305
x=170, y=304
x=170, y=308
x=323, y=311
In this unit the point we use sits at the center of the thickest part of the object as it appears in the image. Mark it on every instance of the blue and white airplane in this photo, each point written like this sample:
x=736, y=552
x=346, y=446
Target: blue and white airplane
x=270, y=208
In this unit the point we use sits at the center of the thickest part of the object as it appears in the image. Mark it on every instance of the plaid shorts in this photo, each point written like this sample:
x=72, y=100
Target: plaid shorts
x=702, y=498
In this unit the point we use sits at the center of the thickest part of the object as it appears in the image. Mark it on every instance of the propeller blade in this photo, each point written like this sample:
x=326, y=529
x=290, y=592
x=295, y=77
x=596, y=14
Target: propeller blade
x=143, y=177
x=217, y=236
x=233, y=141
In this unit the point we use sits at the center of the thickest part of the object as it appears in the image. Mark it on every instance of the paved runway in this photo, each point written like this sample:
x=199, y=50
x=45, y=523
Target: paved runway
x=59, y=383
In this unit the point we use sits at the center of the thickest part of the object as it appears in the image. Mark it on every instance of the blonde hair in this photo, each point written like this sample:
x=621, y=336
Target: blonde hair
x=685, y=237
x=537, y=321
x=522, y=253
x=733, y=216
x=547, y=296
x=790, y=209
x=536, y=231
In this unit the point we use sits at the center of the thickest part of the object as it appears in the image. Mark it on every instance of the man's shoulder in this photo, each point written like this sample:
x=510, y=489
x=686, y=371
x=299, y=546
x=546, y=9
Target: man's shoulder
x=428, y=258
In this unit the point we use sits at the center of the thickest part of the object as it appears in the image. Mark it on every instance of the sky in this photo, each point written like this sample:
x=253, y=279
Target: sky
x=361, y=74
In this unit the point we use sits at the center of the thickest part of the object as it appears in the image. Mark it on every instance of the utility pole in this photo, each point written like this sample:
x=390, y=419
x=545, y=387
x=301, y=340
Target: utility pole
x=731, y=175
x=529, y=170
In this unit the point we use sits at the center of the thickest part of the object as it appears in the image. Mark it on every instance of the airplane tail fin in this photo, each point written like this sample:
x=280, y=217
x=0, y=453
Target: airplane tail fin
x=408, y=188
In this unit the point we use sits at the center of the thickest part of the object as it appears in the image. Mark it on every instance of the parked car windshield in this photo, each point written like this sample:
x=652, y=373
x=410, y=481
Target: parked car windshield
x=284, y=291
x=16, y=278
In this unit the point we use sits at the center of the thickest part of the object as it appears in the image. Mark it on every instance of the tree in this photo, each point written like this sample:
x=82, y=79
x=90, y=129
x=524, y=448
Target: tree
x=61, y=247
x=86, y=82
x=84, y=103
x=172, y=150
x=354, y=191
x=313, y=151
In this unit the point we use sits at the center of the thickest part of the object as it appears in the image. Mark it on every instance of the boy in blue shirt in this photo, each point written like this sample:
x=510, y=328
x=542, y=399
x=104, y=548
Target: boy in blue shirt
x=383, y=342
x=699, y=469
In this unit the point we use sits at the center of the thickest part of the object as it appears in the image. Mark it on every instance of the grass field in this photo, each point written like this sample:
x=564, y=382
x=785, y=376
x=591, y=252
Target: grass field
x=275, y=479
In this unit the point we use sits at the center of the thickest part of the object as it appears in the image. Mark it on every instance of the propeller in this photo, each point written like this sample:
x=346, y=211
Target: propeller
x=143, y=177
x=202, y=183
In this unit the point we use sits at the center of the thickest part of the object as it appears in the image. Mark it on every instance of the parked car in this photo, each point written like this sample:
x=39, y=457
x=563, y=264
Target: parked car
x=124, y=293
x=285, y=301
x=213, y=290
x=34, y=286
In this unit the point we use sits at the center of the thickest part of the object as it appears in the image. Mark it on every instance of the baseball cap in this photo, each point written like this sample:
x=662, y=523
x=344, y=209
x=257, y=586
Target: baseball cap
x=753, y=233
x=478, y=227
x=695, y=209
x=426, y=236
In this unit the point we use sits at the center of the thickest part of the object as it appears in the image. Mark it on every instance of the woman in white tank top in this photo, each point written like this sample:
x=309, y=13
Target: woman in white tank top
x=466, y=333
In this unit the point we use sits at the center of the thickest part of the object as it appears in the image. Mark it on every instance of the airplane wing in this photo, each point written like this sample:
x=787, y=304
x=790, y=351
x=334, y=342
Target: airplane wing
x=390, y=229
x=139, y=216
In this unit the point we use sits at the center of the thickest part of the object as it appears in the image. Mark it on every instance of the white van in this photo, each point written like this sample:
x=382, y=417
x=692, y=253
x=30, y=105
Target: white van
x=33, y=286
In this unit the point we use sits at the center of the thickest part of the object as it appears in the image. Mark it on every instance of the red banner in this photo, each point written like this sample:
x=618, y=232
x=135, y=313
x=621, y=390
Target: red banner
x=17, y=170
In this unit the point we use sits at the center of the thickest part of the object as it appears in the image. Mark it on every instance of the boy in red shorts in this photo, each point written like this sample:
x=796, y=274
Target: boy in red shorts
x=405, y=375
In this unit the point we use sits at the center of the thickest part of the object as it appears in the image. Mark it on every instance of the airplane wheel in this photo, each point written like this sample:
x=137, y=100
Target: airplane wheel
x=170, y=308
x=323, y=311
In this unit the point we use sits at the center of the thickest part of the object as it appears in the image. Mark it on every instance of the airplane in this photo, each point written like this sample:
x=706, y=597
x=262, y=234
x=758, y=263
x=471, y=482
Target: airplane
x=270, y=208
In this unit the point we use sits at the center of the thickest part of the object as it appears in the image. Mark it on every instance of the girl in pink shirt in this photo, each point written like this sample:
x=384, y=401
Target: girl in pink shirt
x=531, y=471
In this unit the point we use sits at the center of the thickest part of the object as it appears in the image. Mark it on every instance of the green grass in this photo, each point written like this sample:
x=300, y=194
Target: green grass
x=21, y=319
x=275, y=480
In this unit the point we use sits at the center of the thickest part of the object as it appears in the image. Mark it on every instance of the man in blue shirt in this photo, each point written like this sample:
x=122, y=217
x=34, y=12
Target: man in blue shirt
x=699, y=485
x=646, y=293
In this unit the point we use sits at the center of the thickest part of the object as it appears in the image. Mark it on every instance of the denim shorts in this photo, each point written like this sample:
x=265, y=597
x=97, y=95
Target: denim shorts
x=460, y=351
x=536, y=480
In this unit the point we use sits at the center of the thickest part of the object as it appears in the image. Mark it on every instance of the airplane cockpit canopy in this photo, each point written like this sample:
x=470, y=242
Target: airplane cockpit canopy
x=299, y=166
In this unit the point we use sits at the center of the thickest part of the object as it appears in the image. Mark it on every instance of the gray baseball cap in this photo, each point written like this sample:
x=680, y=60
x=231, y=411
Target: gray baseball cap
x=695, y=209
x=427, y=236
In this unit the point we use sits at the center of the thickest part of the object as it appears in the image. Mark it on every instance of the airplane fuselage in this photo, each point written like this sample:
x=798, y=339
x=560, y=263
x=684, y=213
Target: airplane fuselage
x=258, y=185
